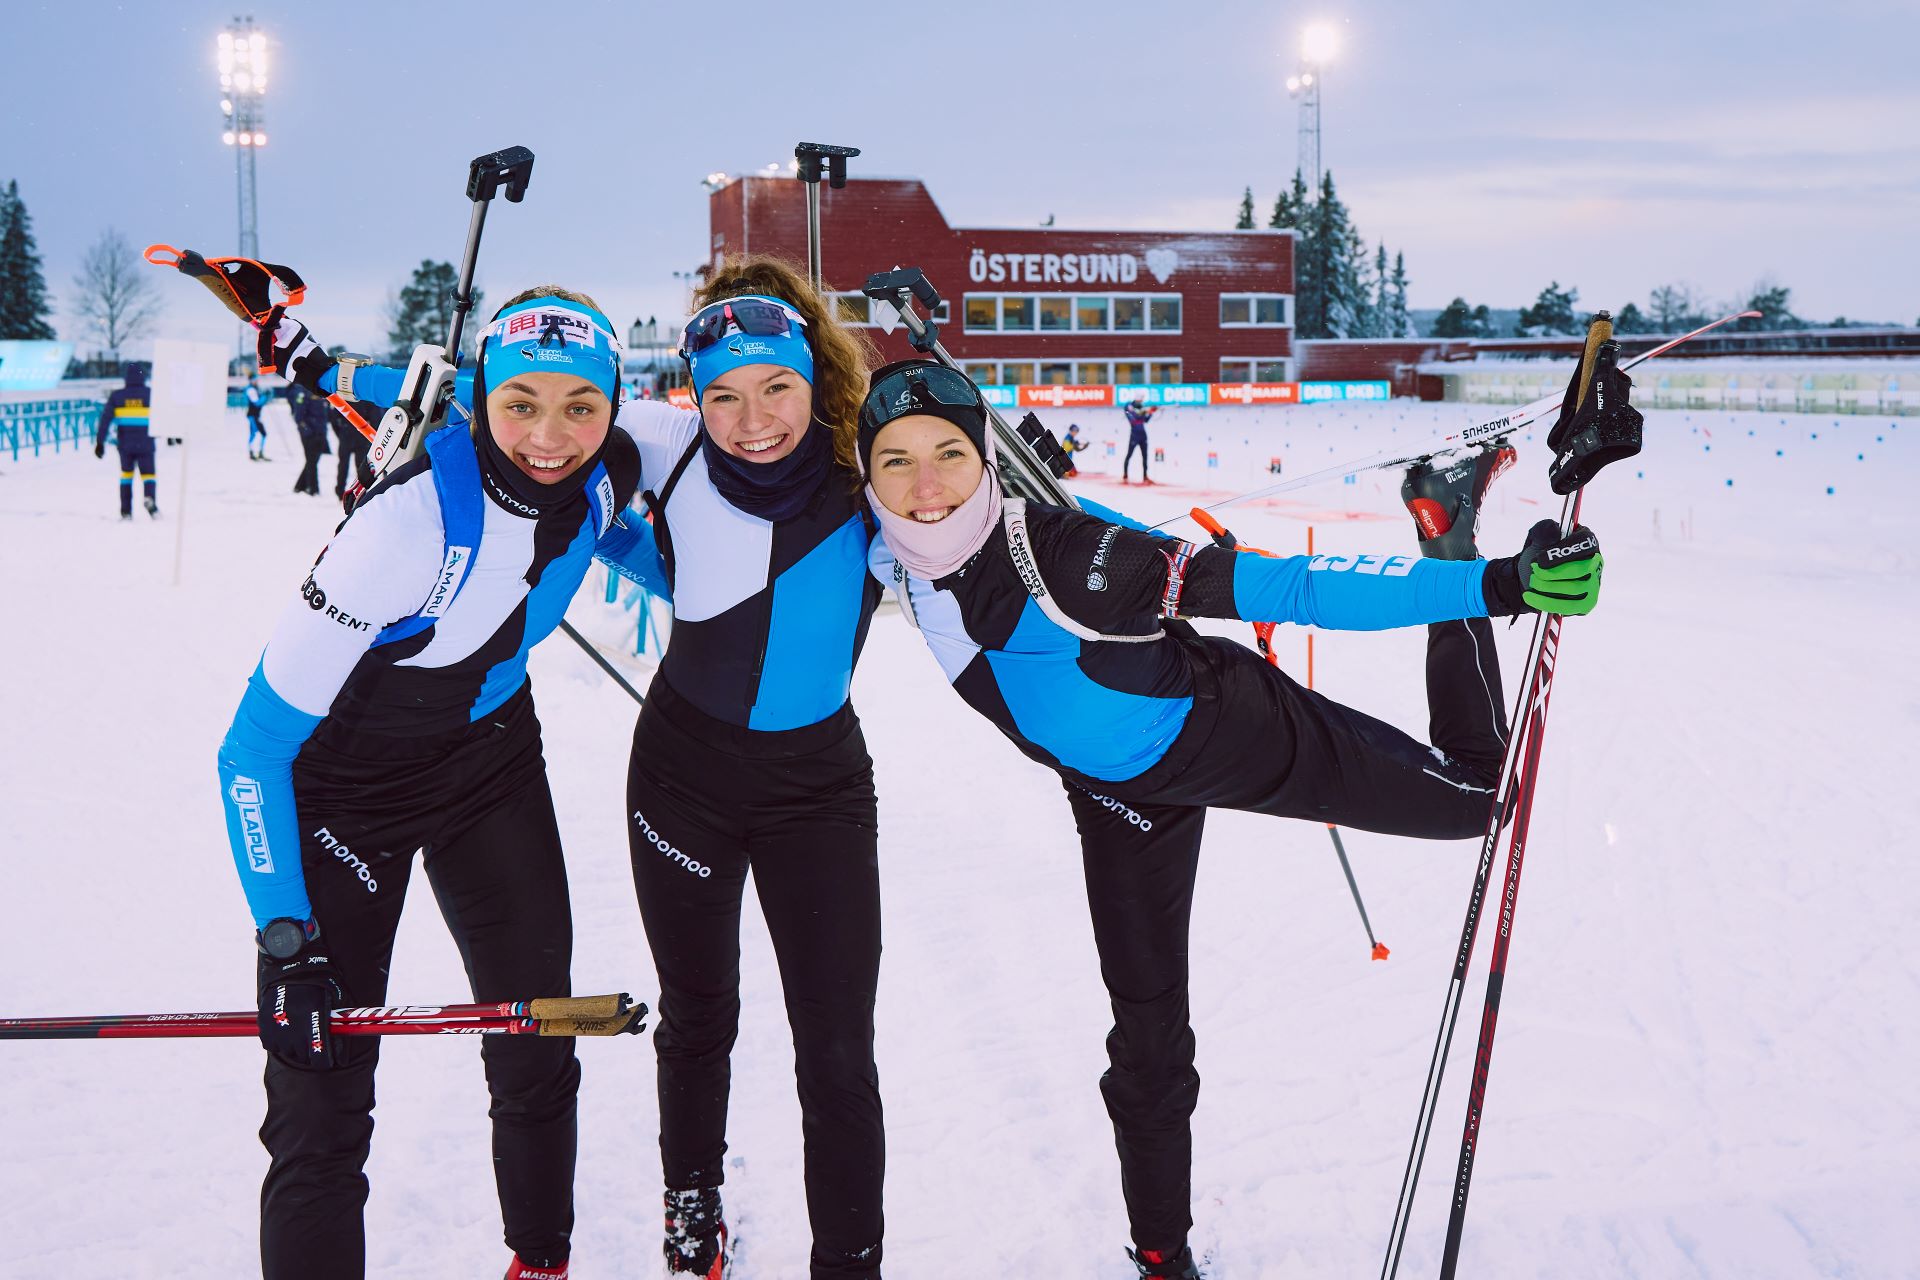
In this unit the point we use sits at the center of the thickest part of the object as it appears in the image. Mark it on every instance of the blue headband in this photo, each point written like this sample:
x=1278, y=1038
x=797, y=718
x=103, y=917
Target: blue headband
x=553, y=335
x=789, y=350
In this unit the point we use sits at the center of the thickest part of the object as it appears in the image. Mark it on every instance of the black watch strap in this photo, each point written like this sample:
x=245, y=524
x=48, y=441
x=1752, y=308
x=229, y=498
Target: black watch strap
x=283, y=938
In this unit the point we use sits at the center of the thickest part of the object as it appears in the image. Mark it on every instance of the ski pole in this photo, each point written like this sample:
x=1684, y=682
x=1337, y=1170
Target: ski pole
x=811, y=157
x=593, y=651
x=559, y=1016
x=1263, y=637
x=1519, y=769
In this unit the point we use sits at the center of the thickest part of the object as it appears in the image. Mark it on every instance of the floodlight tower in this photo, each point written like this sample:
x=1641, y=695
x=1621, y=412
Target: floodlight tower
x=1316, y=48
x=243, y=88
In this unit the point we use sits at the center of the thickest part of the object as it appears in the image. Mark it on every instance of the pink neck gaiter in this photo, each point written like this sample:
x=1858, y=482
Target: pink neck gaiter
x=930, y=551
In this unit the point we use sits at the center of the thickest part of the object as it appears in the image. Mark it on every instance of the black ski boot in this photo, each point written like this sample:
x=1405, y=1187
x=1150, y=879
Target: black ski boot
x=1155, y=1264
x=1445, y=500
x=696, y=1242
x=153, y=509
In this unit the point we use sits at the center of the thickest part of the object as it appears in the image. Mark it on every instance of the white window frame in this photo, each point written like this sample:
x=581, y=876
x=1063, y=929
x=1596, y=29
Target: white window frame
x=1074, y=364
x=1252, y=299
x=1073, y=303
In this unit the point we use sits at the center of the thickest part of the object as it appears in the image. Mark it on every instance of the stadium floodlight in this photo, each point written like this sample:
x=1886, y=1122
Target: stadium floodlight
x=242, y=56
x=1317, y=44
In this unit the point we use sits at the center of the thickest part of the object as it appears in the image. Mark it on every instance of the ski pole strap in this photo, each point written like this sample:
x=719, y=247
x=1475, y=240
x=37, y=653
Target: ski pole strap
x=1178, y=558
x=241, y=284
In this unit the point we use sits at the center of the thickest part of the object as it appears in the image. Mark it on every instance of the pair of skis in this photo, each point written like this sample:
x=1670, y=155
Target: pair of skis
x=556, y=1016
x=1507, y=825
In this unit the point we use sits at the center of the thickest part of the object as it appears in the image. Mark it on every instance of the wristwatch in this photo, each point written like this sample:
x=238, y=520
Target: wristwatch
x=343, y=378
x=283, y=938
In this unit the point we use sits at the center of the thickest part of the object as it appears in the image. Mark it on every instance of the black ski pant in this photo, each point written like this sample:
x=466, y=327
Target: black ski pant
x=1138, y=440
x=1263, y=743
x=353, y=449
x=706, y=803
x=255, y=428
x=136, y=456
x=476, y=806
x=314, y=445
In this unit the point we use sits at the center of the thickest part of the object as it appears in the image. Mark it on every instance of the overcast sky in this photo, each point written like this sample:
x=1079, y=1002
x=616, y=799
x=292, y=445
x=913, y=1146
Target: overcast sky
x=1500, y=145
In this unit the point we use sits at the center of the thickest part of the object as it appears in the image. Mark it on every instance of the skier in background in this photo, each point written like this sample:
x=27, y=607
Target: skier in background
x=1138, y=415
x=352, y=448
x=310, y=419
x=127, y=411
x=256, y=402
x=390, y=715
x=1073, y=444
x=1068, y=639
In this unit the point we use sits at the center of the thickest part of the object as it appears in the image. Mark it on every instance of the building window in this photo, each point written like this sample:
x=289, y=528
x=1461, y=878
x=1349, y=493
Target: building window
x=1062, y=313
x=1129, y=315
x=1056, y=314
x=857, y=310
x=1055, y=373
x=1016, y=373
x=1164, y=370
x=1092, y=373
x=1236, y=371
x=1258, y=369
x=983, y=313
x=985, y=373
x=1016, y=315
x=1129, y=373
x=1270, y=370
x=1256, y=310
x=1090, y=313
x=1163, y=314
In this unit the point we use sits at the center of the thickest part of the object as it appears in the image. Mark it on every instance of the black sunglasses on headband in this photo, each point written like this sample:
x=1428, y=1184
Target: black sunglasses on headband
x=915, y=389
x=755, y=316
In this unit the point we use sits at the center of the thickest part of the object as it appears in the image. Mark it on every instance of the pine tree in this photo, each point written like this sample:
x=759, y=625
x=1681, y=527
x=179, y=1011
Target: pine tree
x=1339, y=256
x=1400, y=323
x=1773, y=302
x=424, y=310
x=1630, y=320
x=1245, y=221
x=23, y=288
x=1551, y=313
x=1454, y=321
x=1380, y=321
x=1290, y=206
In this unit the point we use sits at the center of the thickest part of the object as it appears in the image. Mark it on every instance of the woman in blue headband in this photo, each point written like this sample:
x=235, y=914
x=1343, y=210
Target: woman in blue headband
x=748, y=755
x=391, y=714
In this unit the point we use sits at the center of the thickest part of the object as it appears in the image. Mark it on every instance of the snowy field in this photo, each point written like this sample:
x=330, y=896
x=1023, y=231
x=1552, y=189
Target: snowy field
x=1709, y=1020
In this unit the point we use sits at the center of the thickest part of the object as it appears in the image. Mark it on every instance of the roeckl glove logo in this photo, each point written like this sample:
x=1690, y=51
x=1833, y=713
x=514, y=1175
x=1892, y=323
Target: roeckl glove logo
x=1586, y=545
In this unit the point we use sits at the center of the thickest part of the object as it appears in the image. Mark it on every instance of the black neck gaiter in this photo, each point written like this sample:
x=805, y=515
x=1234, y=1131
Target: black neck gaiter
x=772, y=490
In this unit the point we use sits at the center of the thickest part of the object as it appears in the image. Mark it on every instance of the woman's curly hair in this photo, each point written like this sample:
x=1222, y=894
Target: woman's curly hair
x=841, y=356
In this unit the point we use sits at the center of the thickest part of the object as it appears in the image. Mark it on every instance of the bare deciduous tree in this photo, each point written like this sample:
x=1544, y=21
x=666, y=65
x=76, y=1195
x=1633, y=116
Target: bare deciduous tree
x=115, y=298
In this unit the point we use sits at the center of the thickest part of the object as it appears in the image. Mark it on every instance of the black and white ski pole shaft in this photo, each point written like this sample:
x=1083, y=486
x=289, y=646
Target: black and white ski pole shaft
x=1513, y=797
x=593, y=651
x=811, y=158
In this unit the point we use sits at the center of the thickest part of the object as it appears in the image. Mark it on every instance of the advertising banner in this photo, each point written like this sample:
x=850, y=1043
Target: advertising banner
x=31, y=365
x=1000, y=397
x=1065, y=397
x=1252, y=393
x=1311, y=392
x=1163, y=393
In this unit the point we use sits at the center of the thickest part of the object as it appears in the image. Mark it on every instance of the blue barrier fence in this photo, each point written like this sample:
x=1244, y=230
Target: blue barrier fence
x=631, y=595
x=54, y=424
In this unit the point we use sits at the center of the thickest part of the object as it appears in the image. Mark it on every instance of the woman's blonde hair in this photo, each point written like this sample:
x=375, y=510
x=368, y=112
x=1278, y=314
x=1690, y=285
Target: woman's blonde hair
x=548, y=291
x=841, y=356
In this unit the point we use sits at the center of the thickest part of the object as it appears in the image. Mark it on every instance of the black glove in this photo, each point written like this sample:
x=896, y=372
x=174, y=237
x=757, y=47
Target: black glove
x=1600, y=429
x=100, y=449
x=297, y=998
x=1551, y=574
x=284, y=346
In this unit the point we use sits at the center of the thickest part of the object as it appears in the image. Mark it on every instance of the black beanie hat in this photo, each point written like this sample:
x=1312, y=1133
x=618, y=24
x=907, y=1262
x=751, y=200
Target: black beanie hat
x=908, y=387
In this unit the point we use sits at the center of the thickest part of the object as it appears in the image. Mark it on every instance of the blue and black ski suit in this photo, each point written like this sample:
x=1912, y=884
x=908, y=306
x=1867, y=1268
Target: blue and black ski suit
x=1137, y=419
x=390, y=715
x=1150, y=724
x=748, y=755
x=127, y=413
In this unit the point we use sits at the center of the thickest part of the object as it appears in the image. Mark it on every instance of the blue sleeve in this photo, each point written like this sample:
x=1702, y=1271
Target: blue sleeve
x=380, y=384
x=256, y=791
x=1357, y=593
x=629, y=549
x=1110, y=516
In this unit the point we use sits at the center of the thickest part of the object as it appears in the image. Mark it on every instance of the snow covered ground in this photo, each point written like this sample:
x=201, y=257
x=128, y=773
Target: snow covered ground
x=1709, y=1021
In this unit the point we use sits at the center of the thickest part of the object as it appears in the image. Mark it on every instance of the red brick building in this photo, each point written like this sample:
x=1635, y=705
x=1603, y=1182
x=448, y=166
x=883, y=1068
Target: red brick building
x=1040, y=305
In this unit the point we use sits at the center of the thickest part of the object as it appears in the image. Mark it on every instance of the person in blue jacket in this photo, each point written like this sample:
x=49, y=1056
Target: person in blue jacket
x=256, y=404
x=390, y=716
x=748, y=755
x=1062, y=628
x=127, y=412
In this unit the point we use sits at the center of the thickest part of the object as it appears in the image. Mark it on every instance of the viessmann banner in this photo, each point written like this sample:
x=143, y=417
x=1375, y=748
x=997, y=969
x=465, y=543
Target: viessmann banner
x=1193, y=395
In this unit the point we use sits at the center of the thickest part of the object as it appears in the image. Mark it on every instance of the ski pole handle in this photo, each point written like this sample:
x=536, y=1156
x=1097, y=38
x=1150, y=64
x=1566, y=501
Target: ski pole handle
x=1599, y=332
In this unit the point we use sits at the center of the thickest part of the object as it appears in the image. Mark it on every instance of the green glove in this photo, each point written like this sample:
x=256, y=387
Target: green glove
x=1551, y=574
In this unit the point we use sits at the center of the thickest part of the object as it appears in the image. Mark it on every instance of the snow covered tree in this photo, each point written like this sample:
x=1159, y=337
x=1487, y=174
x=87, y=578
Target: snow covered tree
x=1290, y=206
x=1773, y=302
x=1399, y=323
x=424, y=310
x=23, y=289
x=1244, y=222
x=116, y=298
x=1335, y=304
x=1631, y=321
x=1551, y=313
x=1674, y=308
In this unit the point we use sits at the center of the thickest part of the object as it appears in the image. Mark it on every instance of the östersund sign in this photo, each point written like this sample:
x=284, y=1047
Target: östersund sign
x=1069, y=268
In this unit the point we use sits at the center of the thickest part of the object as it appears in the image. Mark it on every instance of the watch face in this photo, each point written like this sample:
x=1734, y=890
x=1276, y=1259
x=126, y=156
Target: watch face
x=282, y=939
